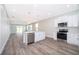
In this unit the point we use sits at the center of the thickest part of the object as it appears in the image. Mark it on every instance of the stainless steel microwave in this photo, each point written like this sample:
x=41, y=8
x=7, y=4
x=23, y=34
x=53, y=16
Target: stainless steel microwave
x=64, y=24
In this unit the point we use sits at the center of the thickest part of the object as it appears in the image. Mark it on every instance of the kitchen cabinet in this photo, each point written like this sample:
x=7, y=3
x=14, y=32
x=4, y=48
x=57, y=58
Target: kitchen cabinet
x=31, y=37
x=39, y=36
x=73, y=39
x=72, y=20
x=60, y=20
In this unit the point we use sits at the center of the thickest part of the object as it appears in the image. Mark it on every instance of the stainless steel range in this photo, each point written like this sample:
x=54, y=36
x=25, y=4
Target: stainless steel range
x=62, y=34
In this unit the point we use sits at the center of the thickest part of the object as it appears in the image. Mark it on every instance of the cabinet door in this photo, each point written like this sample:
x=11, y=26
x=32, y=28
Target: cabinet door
x=75, y=20
x=73, y=39
x=72, y=21
x=60, y=20
x=25, y=38
x=39, y=36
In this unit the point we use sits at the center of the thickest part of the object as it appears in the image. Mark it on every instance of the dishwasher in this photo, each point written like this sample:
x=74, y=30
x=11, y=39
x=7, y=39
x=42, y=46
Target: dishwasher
x=30, y=38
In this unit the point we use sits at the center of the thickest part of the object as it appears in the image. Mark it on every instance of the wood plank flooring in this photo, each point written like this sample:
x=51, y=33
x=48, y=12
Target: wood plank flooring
x=48, y=46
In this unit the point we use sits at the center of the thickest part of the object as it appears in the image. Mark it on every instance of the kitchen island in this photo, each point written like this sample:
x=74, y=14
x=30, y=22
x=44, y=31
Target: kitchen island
x=33, y=36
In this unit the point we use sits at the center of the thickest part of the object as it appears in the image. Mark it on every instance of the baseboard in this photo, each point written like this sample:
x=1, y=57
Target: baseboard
x=1, y=50
x=51, y=37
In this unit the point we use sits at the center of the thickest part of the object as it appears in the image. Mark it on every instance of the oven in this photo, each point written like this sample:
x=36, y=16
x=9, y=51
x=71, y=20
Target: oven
x=62, y=34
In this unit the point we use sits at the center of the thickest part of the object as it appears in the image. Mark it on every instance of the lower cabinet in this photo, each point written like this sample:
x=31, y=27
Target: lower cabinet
x=39, y=36
x=72, y=20
x=31, y=37
x=73, y=39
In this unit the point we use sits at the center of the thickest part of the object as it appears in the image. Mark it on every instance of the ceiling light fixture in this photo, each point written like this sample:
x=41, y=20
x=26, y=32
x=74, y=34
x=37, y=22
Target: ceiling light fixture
x=67, y=6
x=35, y=5
x=29, y=12
x=14, y=10
x=49, y=14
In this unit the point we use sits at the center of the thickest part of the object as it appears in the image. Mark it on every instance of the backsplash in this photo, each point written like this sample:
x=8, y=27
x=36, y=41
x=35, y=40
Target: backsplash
x=74, y=30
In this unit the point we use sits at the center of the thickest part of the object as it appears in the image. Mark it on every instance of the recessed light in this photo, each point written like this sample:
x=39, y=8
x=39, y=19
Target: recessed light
x=29, y=12
x=59, y=17
x=35, y=5
x=49, y=14
x=14, y=10
x=37, y=15
x=67, y=6
x=13, y=16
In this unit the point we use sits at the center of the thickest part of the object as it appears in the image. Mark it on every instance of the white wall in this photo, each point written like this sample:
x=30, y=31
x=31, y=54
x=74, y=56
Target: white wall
x=13, y=28
x=48, y=27
x=4, y=28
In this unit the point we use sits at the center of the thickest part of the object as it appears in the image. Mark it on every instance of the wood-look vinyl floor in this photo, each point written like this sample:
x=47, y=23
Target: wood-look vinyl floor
x=48, y=46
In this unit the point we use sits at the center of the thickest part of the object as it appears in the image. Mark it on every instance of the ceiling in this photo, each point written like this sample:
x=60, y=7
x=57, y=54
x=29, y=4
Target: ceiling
x=29, y=13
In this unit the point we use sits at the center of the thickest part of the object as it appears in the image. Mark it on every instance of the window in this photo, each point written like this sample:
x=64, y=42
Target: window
x=29, y=27
x=20, y=29
x=36, y=26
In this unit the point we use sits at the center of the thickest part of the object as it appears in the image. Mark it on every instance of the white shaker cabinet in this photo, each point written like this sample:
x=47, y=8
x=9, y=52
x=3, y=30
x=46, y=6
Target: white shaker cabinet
x=73, y=21
x=39, y=36
x=59, y=20
x=25, y=38
x=33, y=36
x=73, y=39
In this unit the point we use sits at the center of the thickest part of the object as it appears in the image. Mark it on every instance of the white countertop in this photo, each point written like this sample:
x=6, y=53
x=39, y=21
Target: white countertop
x=32, y=31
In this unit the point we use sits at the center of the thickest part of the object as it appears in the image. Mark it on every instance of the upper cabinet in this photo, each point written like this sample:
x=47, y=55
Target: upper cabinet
x=72, y=20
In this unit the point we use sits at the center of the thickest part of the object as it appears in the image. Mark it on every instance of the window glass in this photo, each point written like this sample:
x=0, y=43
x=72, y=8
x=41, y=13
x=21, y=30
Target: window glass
x=36, y=26
x=20, y=29
x=29, y=27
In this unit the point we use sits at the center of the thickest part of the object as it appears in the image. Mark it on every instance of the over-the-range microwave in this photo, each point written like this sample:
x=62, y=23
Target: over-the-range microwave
x=63, y=24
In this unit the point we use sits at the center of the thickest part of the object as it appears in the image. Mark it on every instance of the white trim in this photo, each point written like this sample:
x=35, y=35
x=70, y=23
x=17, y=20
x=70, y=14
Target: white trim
x=1, y=50
x=51, y=37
